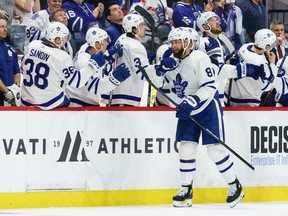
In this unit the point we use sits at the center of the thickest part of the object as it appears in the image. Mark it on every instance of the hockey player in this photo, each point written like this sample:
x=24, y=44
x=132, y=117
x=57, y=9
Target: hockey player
x=247, y=91
x=105, y=78
x=195, y=91
x=36, y=28
x=130, y=92
x=209, y=24
x=47, y=70
x=165, y=51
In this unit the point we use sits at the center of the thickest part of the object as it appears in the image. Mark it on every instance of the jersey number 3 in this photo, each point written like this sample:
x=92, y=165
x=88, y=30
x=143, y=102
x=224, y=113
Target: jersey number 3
x=37, y=74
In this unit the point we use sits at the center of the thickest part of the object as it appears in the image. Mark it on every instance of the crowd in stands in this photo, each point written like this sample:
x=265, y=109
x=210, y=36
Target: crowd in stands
x=97, y=48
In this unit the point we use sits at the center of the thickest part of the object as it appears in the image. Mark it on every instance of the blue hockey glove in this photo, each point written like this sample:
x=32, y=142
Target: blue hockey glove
x=151, y=57
x=266, y=73
x=119, y=74
x=116, y=49
x=249, y=70
x=232, y=59
x=185, y=108
x=167, y=53
x=98, y=58
x=166, y=64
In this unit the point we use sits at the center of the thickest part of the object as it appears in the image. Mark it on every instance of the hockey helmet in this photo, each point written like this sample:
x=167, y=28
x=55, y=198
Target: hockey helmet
x=194, y=36
x=95, y=34
x=55, y=30
x=204, y=18
x=178, y=34
x=264, y=38
x=132, y=20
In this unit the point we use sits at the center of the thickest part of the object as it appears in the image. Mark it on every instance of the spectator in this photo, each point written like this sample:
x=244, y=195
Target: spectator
x=59, y=15
x=218, y=8
x=105, y=78
x=115, y=16
x=24, y=8
x=234, y=30
x=247, y=91
x=9, y=68
x=47, y=70
x=170, y=15
x=81, y=16
x=36, y=29
x=154, y=38
x=186, y=12
x=6, y=10
x=255, y=17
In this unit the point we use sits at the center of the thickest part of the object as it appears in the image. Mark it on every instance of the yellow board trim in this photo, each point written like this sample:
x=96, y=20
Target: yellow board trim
x=132, y=197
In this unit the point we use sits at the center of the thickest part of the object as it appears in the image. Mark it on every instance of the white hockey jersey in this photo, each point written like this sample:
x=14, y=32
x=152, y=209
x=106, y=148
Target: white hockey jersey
x=247, y=91
x=193, y=76
x=46, y=73
x=131, y=90
x=36, y=28
x=99, y=82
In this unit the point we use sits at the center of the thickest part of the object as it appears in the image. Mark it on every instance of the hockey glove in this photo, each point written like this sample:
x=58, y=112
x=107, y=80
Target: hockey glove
x=249, y=70
x=151, y=57
x=119, y=74
x=116, y=49
x=185, y=108
x=97, y=59
x=232, y=59
x=9, y=97
x=167, y=53
x=267, y=73
x=166, y=64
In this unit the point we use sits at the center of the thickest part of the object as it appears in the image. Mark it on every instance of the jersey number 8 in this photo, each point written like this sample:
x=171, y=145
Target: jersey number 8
x=37, y=74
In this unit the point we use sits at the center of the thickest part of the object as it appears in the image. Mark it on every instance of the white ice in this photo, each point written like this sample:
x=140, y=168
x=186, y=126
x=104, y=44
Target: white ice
x=242, y=209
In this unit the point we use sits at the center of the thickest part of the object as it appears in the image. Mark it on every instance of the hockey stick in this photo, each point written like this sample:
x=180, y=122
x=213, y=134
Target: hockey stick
x=232, y=50
x=227, y=43
x=191, y=118
x=151, y=22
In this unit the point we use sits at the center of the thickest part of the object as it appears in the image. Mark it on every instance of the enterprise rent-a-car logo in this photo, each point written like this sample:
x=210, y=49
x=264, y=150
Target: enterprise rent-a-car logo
x=269, y=145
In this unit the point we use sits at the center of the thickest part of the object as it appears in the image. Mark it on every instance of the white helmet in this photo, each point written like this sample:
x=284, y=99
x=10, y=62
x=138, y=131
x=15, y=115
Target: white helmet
x=179, y=34
x=55, y=30
x=194, y=36
x=132, y=20
x=203, y=20
x=264, y=37
x=95, y=34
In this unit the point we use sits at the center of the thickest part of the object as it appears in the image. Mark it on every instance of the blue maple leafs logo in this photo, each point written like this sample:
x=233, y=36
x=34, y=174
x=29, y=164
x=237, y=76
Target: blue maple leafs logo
x=179, y=86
